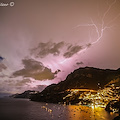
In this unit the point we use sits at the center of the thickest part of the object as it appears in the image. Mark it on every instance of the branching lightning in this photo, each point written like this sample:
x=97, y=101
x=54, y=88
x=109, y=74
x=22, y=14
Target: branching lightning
x=99, y=30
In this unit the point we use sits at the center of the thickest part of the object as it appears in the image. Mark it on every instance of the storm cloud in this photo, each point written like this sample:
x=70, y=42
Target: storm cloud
x=79, y=63
x=1, y=58
x=67, y=50
x=71, y=50
x=44, y=49
x=35, y=70
x=2, y=67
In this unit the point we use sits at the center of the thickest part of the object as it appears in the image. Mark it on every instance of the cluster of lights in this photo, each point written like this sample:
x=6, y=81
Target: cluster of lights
x=98, y=98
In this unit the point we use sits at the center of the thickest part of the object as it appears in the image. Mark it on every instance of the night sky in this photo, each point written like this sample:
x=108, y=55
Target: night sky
x=42, y=41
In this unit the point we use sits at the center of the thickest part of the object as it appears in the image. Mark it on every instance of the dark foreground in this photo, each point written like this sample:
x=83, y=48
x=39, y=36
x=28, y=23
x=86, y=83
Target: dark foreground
x=22, y=109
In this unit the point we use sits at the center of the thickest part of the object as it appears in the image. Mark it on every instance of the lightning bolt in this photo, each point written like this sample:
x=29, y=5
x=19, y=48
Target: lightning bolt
x=99, y=30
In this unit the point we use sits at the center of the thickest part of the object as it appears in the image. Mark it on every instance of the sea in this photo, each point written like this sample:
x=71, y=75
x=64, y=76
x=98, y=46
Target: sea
x=24, y=109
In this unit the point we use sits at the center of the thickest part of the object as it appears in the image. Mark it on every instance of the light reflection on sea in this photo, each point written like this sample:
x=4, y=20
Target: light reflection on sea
x=21, y=109
x=88, y=113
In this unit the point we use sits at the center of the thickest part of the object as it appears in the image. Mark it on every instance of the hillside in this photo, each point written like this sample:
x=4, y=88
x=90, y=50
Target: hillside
x=87, y=78
x=27, y=94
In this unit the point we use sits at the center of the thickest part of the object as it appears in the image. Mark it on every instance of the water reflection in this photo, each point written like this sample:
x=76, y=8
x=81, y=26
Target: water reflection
x=88, y=113
x=19, y=109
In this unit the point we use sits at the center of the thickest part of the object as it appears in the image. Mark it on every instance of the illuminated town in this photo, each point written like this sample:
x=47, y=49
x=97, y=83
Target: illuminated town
x=93, y=98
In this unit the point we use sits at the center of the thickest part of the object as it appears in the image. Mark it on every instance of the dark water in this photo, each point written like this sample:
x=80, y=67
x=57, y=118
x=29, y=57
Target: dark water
x=21, y=109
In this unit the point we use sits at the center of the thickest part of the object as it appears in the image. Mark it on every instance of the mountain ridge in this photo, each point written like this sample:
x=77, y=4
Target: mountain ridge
x=87, y=78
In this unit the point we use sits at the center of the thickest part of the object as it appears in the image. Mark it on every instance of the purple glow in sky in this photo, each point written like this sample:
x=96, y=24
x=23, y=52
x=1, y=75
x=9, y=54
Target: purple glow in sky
x=43, y=41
